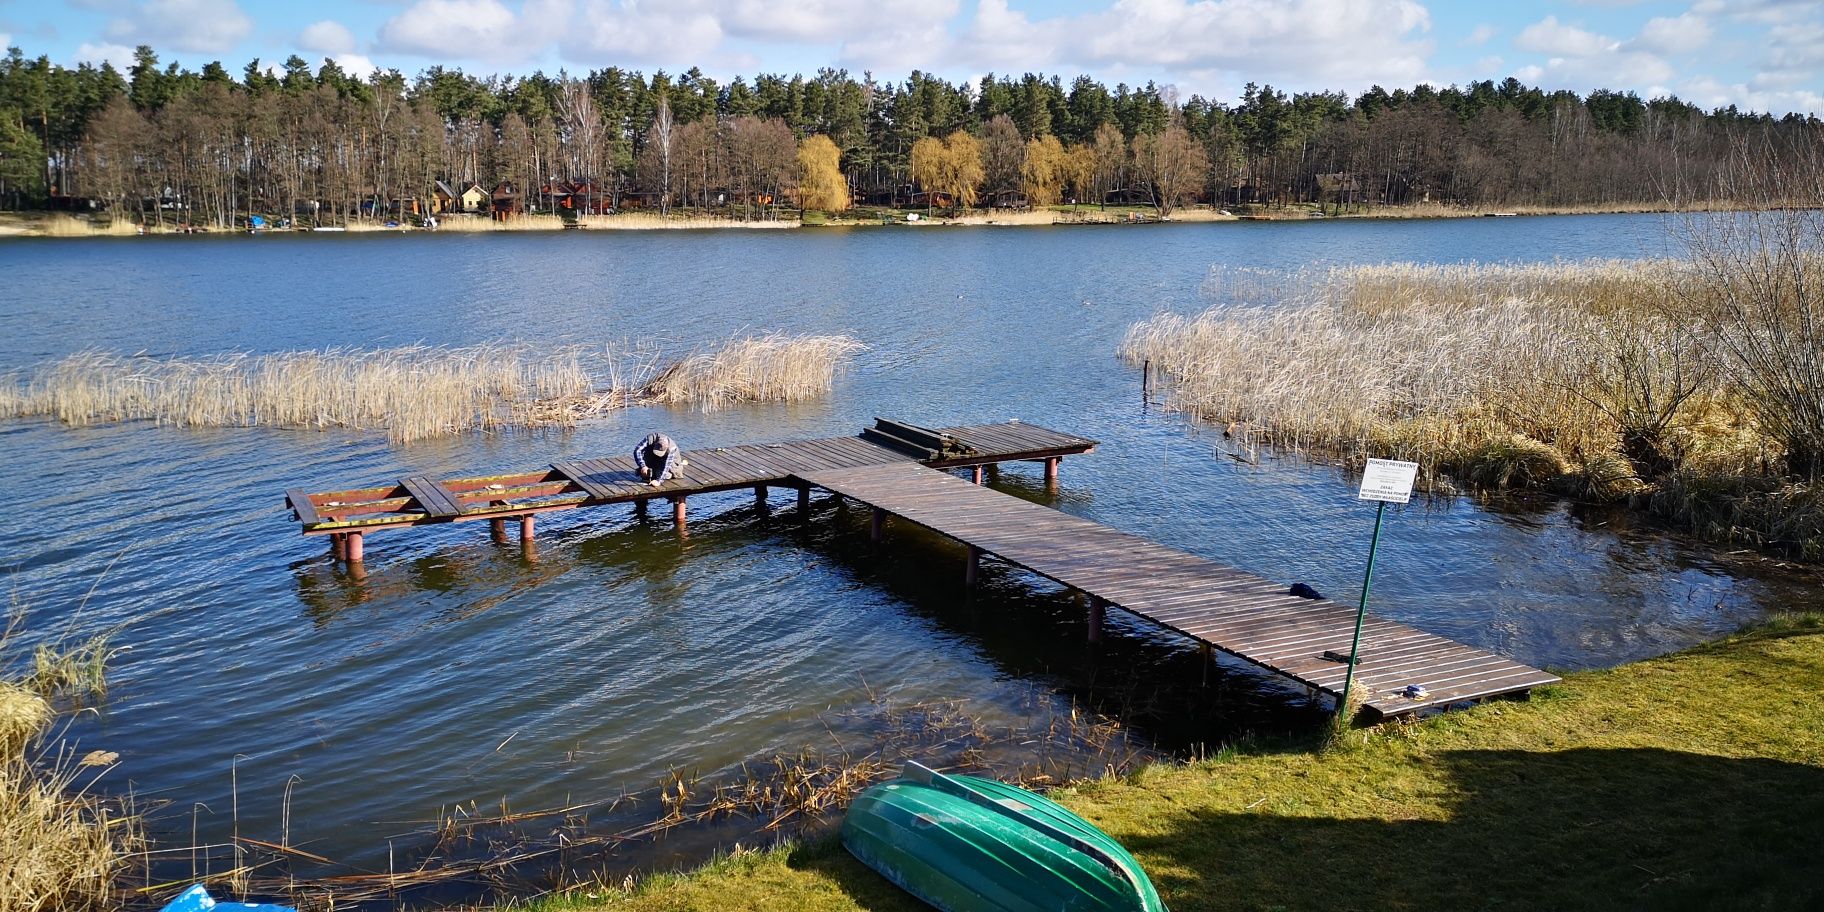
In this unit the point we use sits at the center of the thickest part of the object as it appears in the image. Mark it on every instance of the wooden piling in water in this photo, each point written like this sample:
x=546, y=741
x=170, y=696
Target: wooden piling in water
x=338, y=547
x=1098, y=611
x=760, y=498
x=877, y=524
x=526, y=532
x=354, y=551
x=1051, y=471
x=677, y=511
x=497, y=530
x=976, y=475
x=804, y=501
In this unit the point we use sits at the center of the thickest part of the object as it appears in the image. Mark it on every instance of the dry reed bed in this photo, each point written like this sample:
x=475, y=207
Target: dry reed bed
x=1563, y=373
x=770, y=368
x=419, y=392
x=63, y=845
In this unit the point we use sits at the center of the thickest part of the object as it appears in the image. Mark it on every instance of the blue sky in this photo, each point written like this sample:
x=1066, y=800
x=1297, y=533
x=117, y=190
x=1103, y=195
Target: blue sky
x=1761, y=54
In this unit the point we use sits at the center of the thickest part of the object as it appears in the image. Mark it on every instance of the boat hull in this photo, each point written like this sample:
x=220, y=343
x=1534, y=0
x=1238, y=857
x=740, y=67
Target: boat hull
x=964, y=844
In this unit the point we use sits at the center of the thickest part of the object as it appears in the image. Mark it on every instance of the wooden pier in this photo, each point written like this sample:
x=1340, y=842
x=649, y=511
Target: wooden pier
x=1219, y=607
x=894, y=469
x=349, y=516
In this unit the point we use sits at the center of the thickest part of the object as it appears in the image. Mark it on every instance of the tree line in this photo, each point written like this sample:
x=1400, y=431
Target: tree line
x=165, y=142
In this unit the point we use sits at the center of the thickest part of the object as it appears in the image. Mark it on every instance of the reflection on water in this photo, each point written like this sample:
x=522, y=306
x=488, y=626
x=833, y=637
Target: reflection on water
x=463, y=670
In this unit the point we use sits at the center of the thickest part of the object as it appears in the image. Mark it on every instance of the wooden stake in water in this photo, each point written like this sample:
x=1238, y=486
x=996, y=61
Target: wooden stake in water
x=1384, y=481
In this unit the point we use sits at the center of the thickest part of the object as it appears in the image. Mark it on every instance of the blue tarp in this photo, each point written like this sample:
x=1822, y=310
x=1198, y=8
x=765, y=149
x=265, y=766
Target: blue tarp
x=197, y=899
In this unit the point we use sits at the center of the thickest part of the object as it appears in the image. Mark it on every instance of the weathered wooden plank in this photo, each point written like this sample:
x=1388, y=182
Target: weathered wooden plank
x=587, y=477
x=432, y=496
x=301, y=504
x=1242, y=614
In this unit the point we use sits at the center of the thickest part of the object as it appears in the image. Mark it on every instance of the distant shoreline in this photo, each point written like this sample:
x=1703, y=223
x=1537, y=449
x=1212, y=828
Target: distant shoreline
x=60, y=225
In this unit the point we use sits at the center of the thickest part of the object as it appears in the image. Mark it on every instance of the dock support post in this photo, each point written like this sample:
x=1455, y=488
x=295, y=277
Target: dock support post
x=338, y=546
x=976, y=475
x=1051, y=471
x=639, y=508
x=1205, y=657
x=972, y=568
x=994, y=471
x=804, y=502
x=353, y=549
x=877, y=525
x=677, y=511
x=525, y=528
x=1098, y=610
x=760, y=498
x=497, y=530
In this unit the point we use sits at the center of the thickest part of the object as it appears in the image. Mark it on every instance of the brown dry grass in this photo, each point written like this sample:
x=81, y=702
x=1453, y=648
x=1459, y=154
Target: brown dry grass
x=63, y=846
x=419, y=392
x=1607, y=380
x=769, y=368
x=1494, y=375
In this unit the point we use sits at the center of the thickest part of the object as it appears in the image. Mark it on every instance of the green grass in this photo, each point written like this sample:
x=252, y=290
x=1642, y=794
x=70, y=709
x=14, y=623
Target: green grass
x=1692, y=781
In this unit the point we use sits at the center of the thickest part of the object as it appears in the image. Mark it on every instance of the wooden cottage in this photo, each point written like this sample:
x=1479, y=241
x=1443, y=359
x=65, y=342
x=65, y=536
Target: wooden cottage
x=505, y=201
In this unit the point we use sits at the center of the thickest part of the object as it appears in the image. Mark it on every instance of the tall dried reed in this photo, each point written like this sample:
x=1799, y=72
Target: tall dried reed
x=62, y=845
x=414, y=392
x=420, y=392
x=770, y=368
x=1494, y=375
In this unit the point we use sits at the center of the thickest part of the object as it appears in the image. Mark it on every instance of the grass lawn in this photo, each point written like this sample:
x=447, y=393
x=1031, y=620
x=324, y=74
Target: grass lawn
x=1692, y=781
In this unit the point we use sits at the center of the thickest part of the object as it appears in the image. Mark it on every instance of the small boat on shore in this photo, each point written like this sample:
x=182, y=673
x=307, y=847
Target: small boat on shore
x=962, y=844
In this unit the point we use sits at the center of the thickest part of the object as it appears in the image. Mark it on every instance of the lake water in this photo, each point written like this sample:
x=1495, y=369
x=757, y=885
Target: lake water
x=458, y=671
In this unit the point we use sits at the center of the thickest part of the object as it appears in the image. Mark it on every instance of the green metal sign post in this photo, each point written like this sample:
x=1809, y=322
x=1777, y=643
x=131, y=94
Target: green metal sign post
x=1384, y=481
x=1361, y=610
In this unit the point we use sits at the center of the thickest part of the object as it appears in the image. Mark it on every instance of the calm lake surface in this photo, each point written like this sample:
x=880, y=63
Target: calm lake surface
x=460, y=672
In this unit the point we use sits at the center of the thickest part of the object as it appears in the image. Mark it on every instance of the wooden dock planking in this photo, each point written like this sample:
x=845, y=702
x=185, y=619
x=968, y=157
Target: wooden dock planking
x=433, y=498
x=1222, y=607
x=574, y=483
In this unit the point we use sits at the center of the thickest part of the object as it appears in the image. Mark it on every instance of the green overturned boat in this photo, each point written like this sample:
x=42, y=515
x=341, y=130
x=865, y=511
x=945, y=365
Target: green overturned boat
x=964, y=844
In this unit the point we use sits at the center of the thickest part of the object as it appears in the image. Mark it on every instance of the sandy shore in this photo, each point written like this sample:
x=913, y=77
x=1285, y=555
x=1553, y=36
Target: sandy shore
x=39, y=224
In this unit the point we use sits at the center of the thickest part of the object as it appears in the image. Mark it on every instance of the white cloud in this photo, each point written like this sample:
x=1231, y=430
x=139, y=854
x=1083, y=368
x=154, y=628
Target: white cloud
x=1708, y=92
x=354, y=64
x=1579, y=59
x=685, y=32
x=646, y=33
x=1479, y=35
x=1766, y=12
x=1674, y=35
x=1310, y=43
x=190, y=26
x=480, y=29
x=1549, y=36
x=327, y=37
x=118, y=54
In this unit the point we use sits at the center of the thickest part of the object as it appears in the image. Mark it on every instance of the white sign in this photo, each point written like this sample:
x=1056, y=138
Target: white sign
x=1388, y=480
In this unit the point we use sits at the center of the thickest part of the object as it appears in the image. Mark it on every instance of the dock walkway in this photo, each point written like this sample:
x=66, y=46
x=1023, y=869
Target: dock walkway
x=894, y=468
x=348, y=516
x=1244, y=615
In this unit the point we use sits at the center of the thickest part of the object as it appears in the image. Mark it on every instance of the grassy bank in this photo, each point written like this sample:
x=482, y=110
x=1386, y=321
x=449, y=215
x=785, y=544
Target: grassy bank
x=420, y=392
x=1692, y=781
